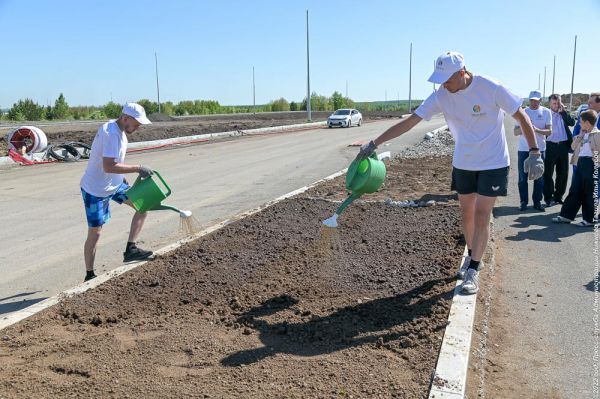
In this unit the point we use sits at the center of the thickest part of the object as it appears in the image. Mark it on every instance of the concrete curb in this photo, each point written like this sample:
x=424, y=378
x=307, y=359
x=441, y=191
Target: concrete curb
x=20, y=315
x=450, y=378
x=430, y=135
x=234, y=133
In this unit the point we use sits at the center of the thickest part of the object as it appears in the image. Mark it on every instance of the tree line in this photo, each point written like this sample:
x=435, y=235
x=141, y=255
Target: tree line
x=29, y=110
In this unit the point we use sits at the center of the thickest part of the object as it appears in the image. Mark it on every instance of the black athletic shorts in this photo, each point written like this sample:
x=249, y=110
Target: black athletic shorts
x=490, y=183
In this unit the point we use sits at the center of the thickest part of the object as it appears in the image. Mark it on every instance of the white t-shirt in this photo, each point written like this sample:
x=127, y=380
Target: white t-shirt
x=540, y=118
x=475, y=117
x=110, y=142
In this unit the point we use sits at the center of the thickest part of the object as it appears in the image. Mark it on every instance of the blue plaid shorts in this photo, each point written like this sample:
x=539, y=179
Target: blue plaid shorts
x=97, y=210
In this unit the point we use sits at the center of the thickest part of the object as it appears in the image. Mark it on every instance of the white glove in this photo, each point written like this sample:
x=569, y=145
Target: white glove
x=534, y=166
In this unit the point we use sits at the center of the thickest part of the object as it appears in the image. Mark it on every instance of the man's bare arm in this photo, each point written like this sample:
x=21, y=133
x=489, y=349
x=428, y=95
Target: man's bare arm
x=398, y=129
x=111, y=166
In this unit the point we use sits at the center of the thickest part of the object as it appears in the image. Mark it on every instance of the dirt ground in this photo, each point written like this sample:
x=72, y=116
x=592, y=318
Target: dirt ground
x=163, y=128
x=271, y=306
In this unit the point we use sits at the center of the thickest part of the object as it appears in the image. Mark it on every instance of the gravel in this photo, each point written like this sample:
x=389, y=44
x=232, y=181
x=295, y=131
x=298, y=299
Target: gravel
x=440, y=143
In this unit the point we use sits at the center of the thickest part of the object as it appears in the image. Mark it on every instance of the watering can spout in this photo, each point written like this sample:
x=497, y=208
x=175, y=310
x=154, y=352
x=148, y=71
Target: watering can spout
x=182, y=213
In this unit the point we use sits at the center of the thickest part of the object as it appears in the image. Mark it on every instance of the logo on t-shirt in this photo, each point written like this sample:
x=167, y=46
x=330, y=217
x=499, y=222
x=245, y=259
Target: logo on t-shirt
x=477, y=110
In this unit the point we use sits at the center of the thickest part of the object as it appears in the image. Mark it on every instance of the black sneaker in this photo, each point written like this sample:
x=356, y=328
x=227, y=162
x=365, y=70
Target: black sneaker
x=89, y=275
x=135, y=253
x=523, y=206
x=539, y=207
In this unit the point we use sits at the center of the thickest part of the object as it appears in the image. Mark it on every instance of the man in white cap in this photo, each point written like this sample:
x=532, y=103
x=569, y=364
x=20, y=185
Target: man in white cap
x=473, y=107
x=103, y=181
x=541, y=118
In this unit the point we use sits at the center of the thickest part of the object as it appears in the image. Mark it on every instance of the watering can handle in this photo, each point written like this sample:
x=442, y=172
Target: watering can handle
x=164, y=183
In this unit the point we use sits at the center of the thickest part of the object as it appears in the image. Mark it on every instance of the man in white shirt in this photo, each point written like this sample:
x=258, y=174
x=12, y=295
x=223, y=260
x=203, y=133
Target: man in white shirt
x=103, y=181
x=474, y=108
x=541, y=118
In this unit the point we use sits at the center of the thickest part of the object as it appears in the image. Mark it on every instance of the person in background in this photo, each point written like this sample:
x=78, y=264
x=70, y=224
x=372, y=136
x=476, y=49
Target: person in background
x=474, y=108
x=593, y=103
x=556, y=158
x=586, y=150
x=103, y=181
x=541, y=118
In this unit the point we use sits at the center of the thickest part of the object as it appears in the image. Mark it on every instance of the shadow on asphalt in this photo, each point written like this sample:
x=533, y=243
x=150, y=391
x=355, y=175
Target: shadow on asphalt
x=591, y=286
x=549, y=231
x=19, y=295
x=15, y=306
x=500, y=211
x=346, y=327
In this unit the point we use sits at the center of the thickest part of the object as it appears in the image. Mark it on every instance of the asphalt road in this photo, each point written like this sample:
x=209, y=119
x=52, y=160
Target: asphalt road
x=546, y=303
x=43, y=220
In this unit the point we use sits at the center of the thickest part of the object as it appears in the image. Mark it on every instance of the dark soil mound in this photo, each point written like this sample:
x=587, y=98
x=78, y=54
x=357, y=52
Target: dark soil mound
x=156, y=117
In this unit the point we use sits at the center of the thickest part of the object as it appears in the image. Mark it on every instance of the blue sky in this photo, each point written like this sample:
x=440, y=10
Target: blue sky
x=206, y=49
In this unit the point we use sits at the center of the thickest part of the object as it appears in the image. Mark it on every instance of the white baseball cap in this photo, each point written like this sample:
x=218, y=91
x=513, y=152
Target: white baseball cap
x=535, y=95
x=446, y=65
x=136, y=111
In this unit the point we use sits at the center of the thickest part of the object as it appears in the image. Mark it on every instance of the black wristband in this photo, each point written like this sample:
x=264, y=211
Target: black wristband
x=534, y=149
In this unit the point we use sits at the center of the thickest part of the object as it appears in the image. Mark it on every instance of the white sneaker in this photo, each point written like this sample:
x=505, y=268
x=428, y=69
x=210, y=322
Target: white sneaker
x=471, y=283
x=463, y=268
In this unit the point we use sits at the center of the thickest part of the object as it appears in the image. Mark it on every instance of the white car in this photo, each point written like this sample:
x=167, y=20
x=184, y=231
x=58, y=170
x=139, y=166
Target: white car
x=344, y=118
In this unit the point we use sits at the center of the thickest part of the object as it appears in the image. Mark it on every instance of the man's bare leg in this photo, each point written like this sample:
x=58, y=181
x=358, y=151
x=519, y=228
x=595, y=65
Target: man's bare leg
x=89, y=248
x=467, y=209
x=132, y=251
x=137, y=222
x=481, y=233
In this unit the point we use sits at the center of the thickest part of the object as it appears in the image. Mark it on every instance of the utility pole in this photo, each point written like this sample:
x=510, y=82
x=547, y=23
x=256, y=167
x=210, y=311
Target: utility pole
x=346, y=88
x=253, y=92
x=385, y=102
x=539, y=81
x=573, y=75
x=553, y=73
x=307, y=73
x=544, y=92
x=434, y=69
x=157, y=89
x=410, y=81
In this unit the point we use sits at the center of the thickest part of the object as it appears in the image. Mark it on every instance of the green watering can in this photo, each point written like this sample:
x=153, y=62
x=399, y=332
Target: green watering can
x=147, y=194
x=363, y=177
